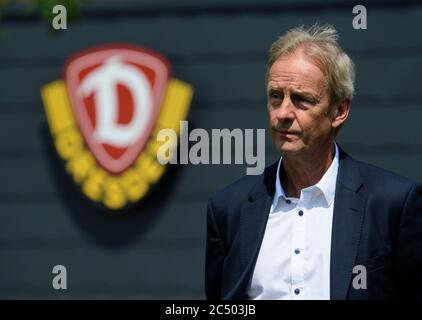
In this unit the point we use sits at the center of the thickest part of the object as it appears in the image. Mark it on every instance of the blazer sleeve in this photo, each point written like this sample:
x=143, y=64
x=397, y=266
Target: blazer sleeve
x=214, y=257
x=409, y=246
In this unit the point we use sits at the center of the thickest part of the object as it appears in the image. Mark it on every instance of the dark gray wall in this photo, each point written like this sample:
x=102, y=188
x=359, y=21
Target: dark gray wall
x=157, y=251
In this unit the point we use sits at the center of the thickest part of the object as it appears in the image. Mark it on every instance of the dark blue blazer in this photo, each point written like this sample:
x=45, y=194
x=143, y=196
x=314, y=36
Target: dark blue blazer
x=377, y=222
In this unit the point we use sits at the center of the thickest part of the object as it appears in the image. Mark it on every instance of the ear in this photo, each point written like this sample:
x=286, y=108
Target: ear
x=341, y=112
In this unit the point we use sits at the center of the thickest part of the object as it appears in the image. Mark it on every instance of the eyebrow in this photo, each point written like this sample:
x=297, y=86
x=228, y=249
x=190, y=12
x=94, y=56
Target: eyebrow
x=303, y=93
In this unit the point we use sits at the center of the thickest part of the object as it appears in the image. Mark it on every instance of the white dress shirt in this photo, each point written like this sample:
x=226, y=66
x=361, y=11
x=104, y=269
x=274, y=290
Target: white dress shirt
x=294, y=258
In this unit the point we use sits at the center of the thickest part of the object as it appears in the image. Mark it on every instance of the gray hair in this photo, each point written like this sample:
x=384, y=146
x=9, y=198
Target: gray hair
x=320, y=43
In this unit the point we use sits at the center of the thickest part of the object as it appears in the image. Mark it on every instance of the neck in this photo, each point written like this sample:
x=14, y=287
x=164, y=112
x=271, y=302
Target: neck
x=302, y=171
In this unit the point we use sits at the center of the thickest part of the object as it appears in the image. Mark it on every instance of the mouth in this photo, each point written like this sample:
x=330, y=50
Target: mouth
x=287, y=133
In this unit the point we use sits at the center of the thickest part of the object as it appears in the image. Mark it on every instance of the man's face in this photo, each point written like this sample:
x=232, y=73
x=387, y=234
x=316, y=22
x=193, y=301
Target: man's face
x=298, y=105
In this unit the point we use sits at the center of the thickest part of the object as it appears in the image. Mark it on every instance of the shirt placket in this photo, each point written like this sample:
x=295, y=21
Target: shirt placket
x=298, y=288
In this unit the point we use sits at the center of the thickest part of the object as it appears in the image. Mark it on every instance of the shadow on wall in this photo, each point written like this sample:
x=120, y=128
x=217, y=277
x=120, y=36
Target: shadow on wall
x=112, y=230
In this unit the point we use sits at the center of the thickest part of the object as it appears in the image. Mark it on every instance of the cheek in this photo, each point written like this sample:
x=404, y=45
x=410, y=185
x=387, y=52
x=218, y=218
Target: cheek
x=315, y=124
x=272, y=116
x=304, y=120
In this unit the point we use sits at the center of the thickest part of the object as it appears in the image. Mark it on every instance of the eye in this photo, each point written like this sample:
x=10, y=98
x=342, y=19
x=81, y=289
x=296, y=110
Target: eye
x=275, y=98
x=275, y=95
x=300, y=99
x=303, y=102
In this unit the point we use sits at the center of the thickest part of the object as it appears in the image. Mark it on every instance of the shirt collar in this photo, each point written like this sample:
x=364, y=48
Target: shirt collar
x=327, y=184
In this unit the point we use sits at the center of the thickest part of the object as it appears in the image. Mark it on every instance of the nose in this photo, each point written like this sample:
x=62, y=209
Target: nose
x=285, y=112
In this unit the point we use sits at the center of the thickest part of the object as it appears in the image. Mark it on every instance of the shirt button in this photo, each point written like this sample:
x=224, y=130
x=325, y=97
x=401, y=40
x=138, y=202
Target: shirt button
x=297, y=291
x=288, y=201
x=297, y=251
x=300, y=212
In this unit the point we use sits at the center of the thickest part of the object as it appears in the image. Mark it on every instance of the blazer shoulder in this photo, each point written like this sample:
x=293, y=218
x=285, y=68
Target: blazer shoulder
x=238, y=191
x=379, y=178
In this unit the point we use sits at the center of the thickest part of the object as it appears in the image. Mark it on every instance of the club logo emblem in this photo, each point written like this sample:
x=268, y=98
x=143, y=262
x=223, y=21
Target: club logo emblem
x=104, y=117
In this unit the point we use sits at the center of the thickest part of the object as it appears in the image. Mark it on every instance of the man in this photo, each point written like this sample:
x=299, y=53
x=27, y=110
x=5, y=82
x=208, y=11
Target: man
x=317, y=224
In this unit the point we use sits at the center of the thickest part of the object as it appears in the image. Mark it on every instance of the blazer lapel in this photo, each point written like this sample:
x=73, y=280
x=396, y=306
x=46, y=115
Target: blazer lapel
x=253, y=220
x=347, y=225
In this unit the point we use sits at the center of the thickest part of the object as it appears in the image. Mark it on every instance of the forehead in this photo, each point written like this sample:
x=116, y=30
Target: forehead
x=296, y=71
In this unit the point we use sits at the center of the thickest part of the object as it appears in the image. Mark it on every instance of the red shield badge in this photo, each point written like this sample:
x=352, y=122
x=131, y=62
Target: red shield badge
x=116, y=93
